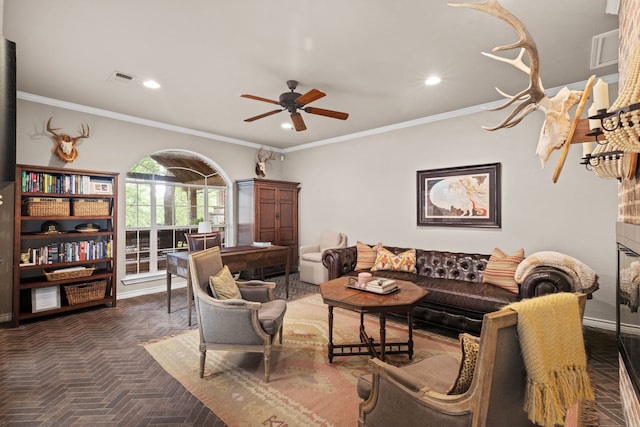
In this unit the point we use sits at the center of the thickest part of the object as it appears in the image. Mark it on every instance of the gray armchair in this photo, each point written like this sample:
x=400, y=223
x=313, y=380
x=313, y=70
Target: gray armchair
x=416, y=395
x=249, y=324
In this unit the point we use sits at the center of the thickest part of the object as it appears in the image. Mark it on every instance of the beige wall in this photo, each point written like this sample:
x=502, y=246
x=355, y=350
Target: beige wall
x=366, y=188
x=115, y=146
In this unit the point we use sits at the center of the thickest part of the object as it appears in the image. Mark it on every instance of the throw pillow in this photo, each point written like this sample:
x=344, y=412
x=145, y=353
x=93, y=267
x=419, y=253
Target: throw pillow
x=224, y=286
x=366, y=256
x=501, y=269
x=387, y=260
x=470, y=346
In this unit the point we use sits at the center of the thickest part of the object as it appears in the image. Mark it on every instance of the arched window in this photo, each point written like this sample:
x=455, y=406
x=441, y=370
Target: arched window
x=167, y=194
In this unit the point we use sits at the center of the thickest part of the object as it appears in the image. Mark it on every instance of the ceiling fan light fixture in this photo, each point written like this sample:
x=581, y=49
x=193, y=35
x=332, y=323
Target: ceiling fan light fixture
x=293, y=102
x=433, y=80
x=286, y=126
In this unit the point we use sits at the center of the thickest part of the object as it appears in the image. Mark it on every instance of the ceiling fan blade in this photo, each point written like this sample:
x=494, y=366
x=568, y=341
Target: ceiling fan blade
x=298, y=122
x=310, y=96
x=327, y=113
x=250, y=119
x=259, y=98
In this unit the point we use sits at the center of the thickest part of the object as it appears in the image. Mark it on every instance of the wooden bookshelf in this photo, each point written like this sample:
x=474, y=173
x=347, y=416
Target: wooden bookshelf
x=65, y=241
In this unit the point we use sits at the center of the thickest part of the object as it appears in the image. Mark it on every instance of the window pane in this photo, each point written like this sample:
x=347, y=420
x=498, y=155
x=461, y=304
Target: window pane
x=167, y=194
x=216, y=205
x=138, y=205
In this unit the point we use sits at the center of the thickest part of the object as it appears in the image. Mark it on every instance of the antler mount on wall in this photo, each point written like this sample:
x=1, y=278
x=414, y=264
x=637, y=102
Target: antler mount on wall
x=293, y=101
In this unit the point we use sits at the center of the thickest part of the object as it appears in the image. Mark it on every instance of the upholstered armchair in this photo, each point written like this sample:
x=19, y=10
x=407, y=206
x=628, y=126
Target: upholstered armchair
x=248, y=322
x=419, y=394
x=311, y=268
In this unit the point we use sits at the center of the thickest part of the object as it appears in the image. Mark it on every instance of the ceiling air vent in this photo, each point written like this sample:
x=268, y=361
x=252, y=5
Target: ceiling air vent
x=604, y=49
x=121, y=77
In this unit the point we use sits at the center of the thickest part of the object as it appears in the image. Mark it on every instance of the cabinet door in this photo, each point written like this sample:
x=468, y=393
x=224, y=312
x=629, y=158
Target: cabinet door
x=286, y=216
x=266, y=212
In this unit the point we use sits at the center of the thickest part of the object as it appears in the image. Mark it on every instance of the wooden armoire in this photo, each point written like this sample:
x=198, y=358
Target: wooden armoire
x=268, y=212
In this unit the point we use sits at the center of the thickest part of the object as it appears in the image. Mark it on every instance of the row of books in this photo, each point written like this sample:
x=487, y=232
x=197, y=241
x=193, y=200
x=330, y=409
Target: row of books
x=57, y=252
x=41, y=182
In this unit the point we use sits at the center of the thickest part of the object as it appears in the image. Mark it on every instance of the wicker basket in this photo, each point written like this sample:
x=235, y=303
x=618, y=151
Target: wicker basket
x=47, y=206
x=72, y=274
x=85, y=292
x=90, y=207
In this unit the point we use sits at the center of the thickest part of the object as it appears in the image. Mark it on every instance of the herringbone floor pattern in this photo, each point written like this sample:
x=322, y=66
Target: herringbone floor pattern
x=90, y=369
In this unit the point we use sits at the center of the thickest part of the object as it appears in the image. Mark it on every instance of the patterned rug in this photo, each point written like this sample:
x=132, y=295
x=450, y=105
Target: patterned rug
x=305, y=389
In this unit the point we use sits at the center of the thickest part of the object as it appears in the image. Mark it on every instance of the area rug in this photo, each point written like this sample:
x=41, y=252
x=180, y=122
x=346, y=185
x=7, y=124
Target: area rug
x=304, y=389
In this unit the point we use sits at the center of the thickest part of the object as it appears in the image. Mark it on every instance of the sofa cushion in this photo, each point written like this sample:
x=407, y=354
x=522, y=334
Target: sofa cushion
x=501, y=269
x=270, y=315
x=329, y=239
x=473, y=297
x=366, y=255
x=470, y=345
x=223, y=286
x=387, y=260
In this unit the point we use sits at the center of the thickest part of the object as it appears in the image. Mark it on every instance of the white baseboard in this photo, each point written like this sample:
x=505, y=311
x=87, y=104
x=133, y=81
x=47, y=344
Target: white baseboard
x=175, y=284
x=608, y=325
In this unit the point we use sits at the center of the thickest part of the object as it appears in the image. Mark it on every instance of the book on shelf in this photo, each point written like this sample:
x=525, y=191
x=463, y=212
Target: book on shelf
x=60, y=183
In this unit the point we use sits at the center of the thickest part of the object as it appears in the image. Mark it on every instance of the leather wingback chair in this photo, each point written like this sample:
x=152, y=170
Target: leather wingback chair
x=199, y=241
x=311, y=268
x=415, y=395
x=249, y=324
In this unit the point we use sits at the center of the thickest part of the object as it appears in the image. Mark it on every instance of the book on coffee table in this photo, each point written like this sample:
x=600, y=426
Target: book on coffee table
x=381, y=285
x=382, y=291
x=381, y=282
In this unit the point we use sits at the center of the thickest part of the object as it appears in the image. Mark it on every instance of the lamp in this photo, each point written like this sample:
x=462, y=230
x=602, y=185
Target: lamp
x=204, y=227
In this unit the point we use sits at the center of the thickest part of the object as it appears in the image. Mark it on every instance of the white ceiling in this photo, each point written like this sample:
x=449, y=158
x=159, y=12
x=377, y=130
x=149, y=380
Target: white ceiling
x=369, y=56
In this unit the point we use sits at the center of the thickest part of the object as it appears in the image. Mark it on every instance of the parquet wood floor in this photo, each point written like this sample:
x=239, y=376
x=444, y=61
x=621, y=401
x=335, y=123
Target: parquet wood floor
x=89, y=368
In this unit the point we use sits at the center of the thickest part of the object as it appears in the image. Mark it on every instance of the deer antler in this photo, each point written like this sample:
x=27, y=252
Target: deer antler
x=51, y=130
x=266, y=157
x=84, y=132
x=534, y=93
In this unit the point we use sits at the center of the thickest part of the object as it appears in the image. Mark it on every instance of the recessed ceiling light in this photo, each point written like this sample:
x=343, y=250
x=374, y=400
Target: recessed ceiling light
x=433, y=80
x=151, y=84
x=286, y=126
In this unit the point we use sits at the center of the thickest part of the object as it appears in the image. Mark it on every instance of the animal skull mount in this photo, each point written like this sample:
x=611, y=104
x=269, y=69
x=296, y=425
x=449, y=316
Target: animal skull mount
x=65, y=148
x=557, y=122
x=261, y=164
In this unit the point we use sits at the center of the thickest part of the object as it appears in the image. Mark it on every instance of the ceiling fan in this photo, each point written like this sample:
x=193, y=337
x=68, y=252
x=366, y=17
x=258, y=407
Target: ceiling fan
x=292, y=102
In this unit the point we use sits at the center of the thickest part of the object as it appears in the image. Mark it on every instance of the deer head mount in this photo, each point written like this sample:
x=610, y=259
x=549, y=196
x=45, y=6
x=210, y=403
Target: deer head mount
x=261, y=164
x=557, y=123
x=65, y=147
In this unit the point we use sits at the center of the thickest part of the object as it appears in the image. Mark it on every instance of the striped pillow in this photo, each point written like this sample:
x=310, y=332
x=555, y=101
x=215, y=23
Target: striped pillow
x=501, y=269
x=366, y=255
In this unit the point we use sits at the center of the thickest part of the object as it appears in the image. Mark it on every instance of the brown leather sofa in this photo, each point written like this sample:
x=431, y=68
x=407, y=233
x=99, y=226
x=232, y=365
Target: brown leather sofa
x=457, y=297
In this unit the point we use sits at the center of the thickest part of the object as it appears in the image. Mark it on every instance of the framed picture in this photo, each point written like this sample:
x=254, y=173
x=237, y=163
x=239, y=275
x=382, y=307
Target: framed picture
x=465, y=196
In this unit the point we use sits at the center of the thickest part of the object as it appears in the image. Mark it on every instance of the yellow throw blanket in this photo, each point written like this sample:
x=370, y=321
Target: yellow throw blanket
x=550, y=331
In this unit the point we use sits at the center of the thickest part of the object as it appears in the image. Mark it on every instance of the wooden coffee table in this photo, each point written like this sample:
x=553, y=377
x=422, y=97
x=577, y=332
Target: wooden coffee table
x=335, y=293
